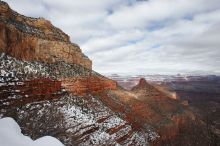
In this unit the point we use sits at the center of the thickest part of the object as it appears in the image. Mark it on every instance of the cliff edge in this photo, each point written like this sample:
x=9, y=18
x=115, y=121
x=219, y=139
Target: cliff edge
x=36, y=39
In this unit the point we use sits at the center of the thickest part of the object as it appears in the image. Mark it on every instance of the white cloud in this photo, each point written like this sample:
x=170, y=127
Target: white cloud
x=139, y=37
x=111, y=42
x=142, y=14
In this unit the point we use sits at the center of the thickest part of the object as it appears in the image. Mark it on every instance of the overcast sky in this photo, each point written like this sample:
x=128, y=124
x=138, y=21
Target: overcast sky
x=138, y=36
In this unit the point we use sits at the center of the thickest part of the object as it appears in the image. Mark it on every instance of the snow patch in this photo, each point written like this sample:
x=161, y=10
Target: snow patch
x=10, y=135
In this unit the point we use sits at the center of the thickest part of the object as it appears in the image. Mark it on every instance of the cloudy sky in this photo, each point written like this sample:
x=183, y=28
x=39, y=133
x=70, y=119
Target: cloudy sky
x=138, y=36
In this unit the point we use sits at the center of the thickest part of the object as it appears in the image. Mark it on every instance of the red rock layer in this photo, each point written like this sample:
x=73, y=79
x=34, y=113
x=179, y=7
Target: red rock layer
x=34, y=39
x=20, y=93
x=41, y=86
x=90, y=84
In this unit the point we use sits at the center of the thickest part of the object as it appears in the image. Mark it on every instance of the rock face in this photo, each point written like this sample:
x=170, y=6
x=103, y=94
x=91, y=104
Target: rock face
x=91, y=84
x=34, y=39
x=34, y=81
x=28, y=91
x=142, y=84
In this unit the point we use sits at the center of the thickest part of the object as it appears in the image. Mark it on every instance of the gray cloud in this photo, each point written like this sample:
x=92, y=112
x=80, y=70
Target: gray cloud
x=133, y=37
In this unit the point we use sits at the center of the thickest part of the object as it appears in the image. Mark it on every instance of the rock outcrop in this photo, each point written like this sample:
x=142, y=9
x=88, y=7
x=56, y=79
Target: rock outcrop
x=36, y=39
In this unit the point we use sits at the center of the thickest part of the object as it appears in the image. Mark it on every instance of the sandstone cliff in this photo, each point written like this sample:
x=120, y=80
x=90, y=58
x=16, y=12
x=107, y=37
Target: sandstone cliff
x=34, y=39
x=37, y=40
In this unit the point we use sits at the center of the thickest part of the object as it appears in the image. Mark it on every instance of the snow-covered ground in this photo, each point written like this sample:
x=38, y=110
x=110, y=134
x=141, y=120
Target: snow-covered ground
x=87, y=119
x=12, y=68
x=77, y=121
x=10, y=135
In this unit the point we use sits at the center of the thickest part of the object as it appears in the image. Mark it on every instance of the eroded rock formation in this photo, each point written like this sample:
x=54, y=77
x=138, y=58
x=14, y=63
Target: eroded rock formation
x=34, y=39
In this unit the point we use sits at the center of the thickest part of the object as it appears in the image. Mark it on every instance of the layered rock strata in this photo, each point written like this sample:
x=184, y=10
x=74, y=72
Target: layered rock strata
x=34, y=39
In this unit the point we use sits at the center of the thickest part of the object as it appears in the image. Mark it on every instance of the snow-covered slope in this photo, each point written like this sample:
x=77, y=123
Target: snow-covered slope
x=74, y=120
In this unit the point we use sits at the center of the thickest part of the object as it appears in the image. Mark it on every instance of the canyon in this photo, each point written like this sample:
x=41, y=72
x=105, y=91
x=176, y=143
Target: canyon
x=48, y=86
x=200, y=93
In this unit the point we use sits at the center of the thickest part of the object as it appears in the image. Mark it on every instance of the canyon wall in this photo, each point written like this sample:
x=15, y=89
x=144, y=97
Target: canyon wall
x=16, y=93
x=36, y=39
x=37, y=47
